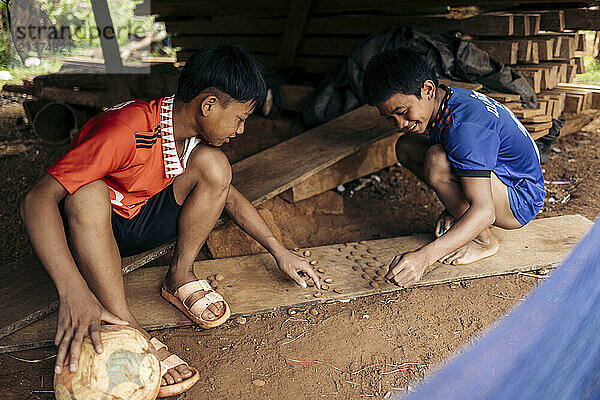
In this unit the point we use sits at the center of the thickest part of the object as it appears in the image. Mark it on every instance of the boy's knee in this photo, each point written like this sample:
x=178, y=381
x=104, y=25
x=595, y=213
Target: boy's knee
x=89, y=204
x=210, y=166
x=436, y=167
x=404, y=149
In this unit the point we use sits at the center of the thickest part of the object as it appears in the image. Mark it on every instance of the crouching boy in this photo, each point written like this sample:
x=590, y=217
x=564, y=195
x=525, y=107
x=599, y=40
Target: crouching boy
x=475, y=154
x=138, y=175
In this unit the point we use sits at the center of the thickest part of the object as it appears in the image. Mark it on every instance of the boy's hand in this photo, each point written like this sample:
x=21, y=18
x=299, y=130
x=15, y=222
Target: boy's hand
x=294, y=266
x=79, y=314
x=443, y=223
x=406, y=269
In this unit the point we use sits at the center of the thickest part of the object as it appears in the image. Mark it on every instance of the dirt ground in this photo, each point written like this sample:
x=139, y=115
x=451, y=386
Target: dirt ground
x=359, y=349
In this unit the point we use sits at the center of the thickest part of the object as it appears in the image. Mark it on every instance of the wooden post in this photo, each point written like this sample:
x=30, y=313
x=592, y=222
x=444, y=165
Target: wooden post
x=108, y=37
x=293, y=31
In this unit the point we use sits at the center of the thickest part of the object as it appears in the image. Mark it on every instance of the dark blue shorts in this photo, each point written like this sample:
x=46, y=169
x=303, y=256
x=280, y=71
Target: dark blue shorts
x=522, y=204
x=154, y=225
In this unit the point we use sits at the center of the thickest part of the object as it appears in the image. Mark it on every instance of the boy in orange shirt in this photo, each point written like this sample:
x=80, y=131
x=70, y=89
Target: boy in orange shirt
x=138, y=175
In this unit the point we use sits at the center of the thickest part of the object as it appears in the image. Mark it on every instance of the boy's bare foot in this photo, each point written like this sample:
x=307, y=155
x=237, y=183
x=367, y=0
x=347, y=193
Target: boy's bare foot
x=475, y=250
x=172, y=283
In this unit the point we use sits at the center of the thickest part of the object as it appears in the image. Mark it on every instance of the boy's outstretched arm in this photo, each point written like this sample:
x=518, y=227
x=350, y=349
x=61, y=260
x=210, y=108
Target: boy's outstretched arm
x=249, y=220
x=79, y=313
x=406, y=269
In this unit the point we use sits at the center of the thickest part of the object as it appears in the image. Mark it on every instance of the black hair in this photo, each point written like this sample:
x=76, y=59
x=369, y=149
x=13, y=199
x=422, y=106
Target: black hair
x=228, y=68
x=396, y=71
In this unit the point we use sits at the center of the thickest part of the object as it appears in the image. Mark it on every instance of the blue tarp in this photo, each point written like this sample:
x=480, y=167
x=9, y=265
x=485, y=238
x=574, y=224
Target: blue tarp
x=548, y=348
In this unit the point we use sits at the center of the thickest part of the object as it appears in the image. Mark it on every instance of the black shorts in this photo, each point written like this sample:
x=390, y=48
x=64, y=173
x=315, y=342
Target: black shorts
x=155, y=224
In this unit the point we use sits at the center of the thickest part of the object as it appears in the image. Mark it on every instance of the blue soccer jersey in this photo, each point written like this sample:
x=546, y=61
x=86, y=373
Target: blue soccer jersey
x=481, y=136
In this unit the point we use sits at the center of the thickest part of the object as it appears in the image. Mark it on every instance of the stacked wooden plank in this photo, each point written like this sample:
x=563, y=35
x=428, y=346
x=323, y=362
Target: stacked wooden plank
x=548, y=56
x=318, y=35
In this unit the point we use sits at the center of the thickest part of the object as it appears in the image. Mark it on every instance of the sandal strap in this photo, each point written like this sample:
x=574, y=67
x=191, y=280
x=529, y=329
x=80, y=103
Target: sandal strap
x=169, y=363
x=187, y=289
x=202, y=304
x=157, y=344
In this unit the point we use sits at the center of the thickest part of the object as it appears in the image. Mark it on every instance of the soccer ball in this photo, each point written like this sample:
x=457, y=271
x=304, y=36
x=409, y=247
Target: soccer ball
x=124, y=370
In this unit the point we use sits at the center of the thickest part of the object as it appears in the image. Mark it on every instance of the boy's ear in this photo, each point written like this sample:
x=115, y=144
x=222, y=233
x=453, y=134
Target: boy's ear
x=207, y=104
x=428, y=90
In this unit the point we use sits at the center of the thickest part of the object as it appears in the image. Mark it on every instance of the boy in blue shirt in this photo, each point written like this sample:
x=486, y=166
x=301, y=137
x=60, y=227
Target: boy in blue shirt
x=476, y=155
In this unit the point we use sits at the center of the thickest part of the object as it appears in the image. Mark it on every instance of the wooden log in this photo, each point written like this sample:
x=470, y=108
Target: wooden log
x=25, y=89
x=505, y=52
x=379, y=155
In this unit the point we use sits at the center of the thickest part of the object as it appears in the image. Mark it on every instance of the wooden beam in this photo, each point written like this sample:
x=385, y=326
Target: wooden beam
x=534, y=78
x=552, y=21
x=534, y=23
x=580, y=64
x=293, y=31
x=546, y=49
x=35, y=296
x=582, y=19
x=376, y=156
x=504, y=97
x=490, y=25
x=535, y=53
x=248, y=26
x=504, y=51
x=283, y=166
x=574, y=102
x=571, y=72
x=521, y=25
x=524, y=50
x=581, y=42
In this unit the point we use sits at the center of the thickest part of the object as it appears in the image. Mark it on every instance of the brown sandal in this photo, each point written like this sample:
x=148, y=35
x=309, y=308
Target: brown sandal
x=195, y=310
x=169, y=363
